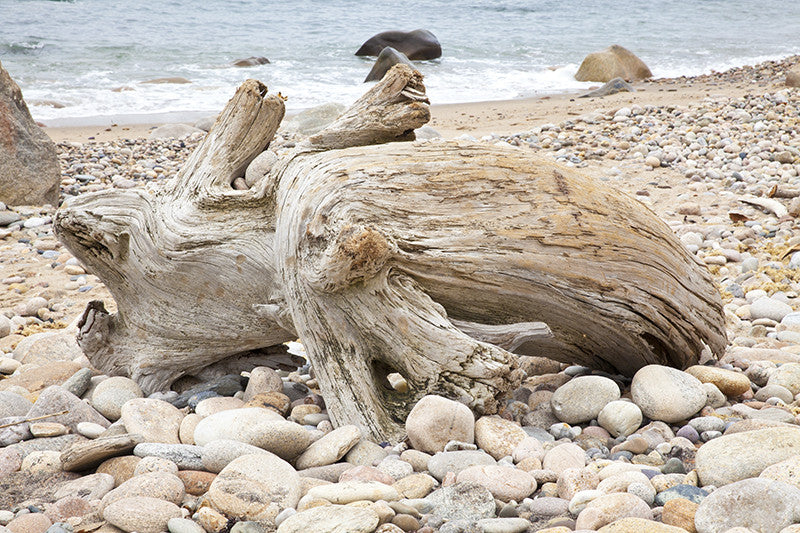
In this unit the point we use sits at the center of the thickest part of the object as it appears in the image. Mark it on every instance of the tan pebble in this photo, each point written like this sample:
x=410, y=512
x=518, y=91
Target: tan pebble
x=680, y=512
x=211, y=520
x=30, y=523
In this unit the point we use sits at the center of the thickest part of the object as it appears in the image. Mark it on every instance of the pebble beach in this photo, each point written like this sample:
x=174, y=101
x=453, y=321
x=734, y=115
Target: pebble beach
x=711, y=448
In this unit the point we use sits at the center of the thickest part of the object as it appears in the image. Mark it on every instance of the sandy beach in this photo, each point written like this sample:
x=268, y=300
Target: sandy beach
x=715, y=157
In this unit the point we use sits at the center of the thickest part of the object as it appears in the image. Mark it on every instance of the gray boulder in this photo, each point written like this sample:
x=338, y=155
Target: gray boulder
x=29, y=169
x=617, y=85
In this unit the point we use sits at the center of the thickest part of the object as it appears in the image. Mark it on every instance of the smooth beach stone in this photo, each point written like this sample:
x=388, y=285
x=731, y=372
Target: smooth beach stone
x=573, y=480
x=10, y=461
x=462, y=501
x=686, y=492
x=37, y=378
x=55, y=399
x=607, y=508
x=331, y=519
x=504, y=525
x=141, y=514
x=353, y=491
x=188, y=425
x=730, y=383
x=256, y=170
x=737, y=456
x=504, y=482
x=186, y=456
x=366, y=473
x=415, y=486
x=787, y=471
x=218, y=453
x=564, y=456
x=770, y=308
x=120, y=468
x=255, y=487
x=395, y=467
x=285, y=439
x=707, y=423
x=209, y=406
x=679, y=512
x=48, y=429
x=546, y=507
x=529, y=447
x=196, y=482
x=774, y=391
x=15, y=430
x=12, y=404
x=582, y=398
x=41, y=462
x=78, y=383
x=66, y=508
x=234, y=424
x=161, y=485
x=580, y=500
x=262, y=378
x=211, y=520
x=667, y=394
x=90, y=430
x=329, y=473
x=787, y=375
x=621, y=481
x=155, y=464
x=443, y=462
x=329, y=448
x=639, y=525
x=184, y=525
x=434, y=421
x=368, y=453
x=111, y=394
x=497, y=436
x=760, y=504
x=154, y=420
x=620, y=418
x=29, y=523
x=91, y=487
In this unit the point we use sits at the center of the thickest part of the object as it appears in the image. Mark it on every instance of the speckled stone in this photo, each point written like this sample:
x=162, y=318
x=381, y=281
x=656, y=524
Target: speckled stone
x=141, y=514
x=434, y=421
x=497, y=436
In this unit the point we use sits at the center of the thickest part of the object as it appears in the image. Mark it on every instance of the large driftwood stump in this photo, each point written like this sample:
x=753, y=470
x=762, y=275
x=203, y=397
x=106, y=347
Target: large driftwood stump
x=432, y=260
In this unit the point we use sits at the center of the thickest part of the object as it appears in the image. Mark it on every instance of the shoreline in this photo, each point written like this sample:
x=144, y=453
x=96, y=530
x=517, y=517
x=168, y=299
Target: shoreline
x=501, y=117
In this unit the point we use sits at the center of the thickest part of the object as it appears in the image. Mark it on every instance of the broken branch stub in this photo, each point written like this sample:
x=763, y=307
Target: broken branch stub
x=432, y=260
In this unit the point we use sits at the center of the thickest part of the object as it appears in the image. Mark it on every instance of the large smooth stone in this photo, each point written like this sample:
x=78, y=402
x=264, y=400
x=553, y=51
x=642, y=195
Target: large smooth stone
x=55, y=399
x=564, y=456
x=613, y=62
x=442, y=463
x=462, y=501
x=667, y=394
x=730, y=383
x=581, y=399
x=759, y=504
x=416, y=45
x=787, y=471
x=331, y=519
x=218, y=454
x=738, y=456
x=234, y=424
x=610, y=507
x=159, y=485
x=255, y=487
x=285, y=439
x=620, y=418
x=353, y=491
x=329, y=448
x=141, y=514
x=434, y=421
x=154, y=420
x=639, y=525
x=497, y=436
x=504, y=482
x=111, y=394
x=91, y=487
x=787, y=375
x=12, y=404
x=262, y=378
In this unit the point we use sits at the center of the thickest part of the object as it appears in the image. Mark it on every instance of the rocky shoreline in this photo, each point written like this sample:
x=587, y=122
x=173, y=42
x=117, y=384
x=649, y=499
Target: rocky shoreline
x=705, y=449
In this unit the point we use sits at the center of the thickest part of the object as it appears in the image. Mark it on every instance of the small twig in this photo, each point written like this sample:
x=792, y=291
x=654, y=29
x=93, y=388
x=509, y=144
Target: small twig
x=34, y=419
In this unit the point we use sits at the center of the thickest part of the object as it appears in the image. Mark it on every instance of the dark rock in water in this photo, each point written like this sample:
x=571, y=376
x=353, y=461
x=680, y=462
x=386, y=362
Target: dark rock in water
x=388, y=58
x=416, y=45
x=617, y=85
x=29, y=170
x=251, y=61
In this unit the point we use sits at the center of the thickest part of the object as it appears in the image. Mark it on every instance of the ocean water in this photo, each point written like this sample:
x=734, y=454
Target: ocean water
x=77, y=52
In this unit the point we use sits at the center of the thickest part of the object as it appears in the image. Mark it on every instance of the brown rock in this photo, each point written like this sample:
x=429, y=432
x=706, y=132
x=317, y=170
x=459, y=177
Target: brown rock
x=29, y=170
x=69, y=507
x=276, y=401
x=30, y=523
x=120, y=468
x=196, y=482
x=730, y=383
x=680, y=512
x=35, y=379
x=793, y=77
x=613, y=62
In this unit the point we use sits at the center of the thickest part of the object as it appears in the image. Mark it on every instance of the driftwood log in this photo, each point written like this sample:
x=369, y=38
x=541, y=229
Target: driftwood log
x=438, y=261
